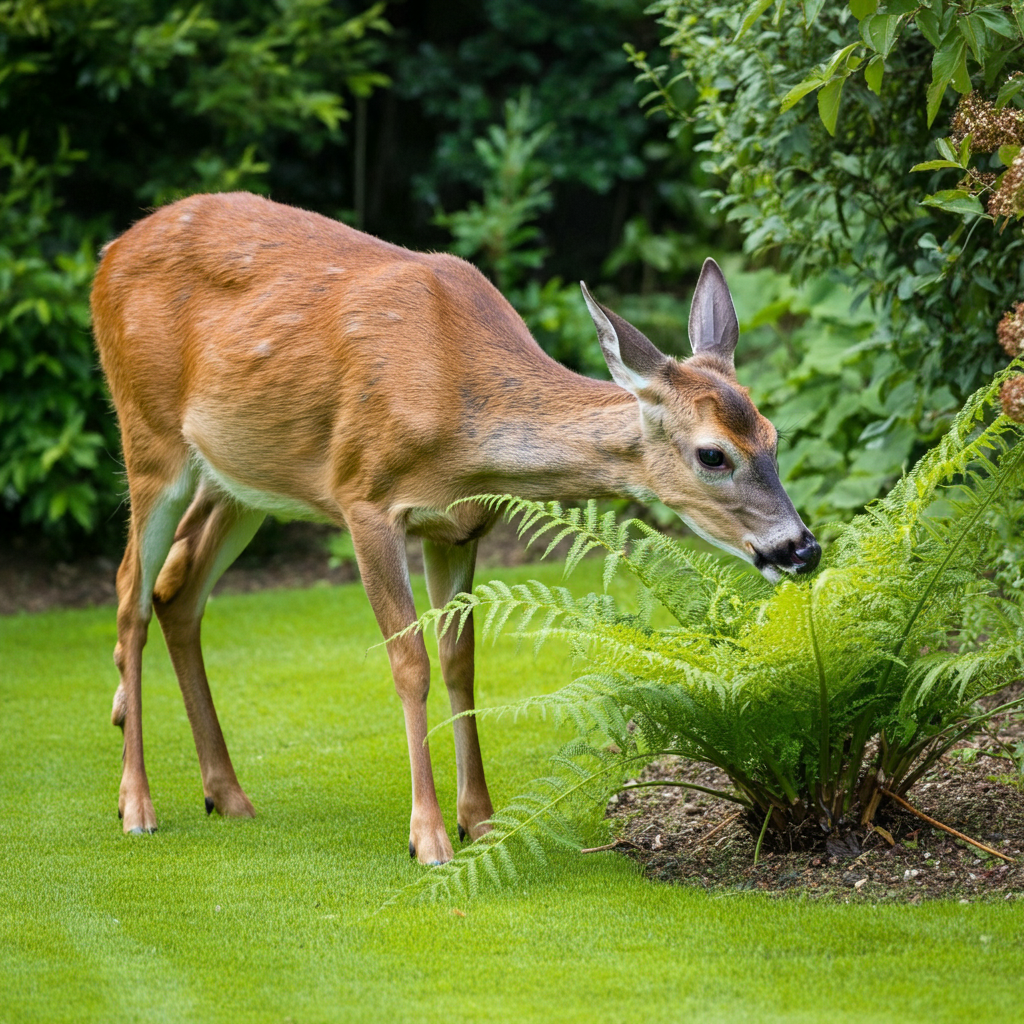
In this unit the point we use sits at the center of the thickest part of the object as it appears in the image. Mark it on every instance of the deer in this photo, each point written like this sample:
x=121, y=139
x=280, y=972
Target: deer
x=264, y=360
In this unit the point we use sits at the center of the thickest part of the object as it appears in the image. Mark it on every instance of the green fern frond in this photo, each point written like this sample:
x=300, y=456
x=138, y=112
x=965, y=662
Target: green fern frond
x=802, y=693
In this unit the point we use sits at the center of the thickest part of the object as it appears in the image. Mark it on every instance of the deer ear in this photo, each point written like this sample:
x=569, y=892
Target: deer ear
x=714, y=329
x=631, y=357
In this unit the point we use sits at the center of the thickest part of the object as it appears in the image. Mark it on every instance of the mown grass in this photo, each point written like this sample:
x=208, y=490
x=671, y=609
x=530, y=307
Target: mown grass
x=279, y=918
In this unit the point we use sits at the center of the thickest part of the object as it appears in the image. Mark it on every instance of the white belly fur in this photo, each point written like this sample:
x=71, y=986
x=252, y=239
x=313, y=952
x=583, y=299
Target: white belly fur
x=251, y=497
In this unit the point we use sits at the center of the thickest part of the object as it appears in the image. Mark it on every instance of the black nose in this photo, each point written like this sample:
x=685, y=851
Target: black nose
x=804, y=557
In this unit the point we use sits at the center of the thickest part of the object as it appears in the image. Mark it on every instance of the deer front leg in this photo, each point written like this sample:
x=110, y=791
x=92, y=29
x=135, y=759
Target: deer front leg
x=449, y=572
x=380, y=551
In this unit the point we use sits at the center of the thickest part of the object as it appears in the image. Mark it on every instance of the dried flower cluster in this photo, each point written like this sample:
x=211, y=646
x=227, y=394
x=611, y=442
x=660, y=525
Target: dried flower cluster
x=988, y=128
x=1010, y=331
x=1008, y=199
x=1011, y=397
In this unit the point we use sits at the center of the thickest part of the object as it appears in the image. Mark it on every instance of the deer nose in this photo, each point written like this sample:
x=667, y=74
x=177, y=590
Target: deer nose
x=804, y=557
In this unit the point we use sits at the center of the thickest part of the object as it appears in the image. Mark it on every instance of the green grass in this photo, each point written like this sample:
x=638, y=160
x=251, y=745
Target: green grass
x=278, y=919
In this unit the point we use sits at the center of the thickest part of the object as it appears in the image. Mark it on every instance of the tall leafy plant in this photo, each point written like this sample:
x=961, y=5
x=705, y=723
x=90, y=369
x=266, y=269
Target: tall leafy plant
x=817, y=698
x=878, y=142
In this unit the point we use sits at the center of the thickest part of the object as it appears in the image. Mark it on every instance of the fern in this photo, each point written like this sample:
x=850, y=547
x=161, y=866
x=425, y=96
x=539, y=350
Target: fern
x=811, y=696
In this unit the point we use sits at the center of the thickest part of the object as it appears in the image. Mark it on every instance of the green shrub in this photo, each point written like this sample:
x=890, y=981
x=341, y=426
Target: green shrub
x=820, y=123
x=815, y=696
x=55, y=423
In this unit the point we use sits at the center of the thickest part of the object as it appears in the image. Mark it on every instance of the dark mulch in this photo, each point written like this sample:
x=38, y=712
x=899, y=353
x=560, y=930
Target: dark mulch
x=685, y=837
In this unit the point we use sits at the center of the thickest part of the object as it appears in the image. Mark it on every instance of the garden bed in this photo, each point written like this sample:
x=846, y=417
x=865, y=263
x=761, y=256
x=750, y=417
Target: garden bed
x=685, y=837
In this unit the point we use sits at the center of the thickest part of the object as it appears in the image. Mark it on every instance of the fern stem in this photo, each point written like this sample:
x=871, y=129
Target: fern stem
x=760, y=838
x=962, y=729
x=824, y=758
x=721, y=794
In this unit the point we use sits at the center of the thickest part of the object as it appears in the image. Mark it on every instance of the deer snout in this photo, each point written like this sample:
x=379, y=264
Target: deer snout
x=804, y=557
x=795, y=556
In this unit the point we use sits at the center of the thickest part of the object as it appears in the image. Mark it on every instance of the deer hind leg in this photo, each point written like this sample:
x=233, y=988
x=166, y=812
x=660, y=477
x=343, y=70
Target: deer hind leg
x=449, y=572
x=380, y=551
x=212, y=534
x=157, y=502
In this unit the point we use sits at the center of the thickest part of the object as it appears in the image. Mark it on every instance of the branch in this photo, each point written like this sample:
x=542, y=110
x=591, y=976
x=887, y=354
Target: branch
x=945, y=828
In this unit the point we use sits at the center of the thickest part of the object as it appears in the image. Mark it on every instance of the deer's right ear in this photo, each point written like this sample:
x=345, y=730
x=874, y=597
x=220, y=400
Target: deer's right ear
x=714, y=329
x=631, y=357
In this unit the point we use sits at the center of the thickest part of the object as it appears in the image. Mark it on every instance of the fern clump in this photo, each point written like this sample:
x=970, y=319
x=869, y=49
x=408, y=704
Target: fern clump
x=816, y=697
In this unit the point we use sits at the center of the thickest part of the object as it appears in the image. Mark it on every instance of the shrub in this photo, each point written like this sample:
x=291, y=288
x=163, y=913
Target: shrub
x=821, y=123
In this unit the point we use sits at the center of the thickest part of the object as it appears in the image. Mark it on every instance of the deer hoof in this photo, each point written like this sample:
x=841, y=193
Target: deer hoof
x=140, y=831
x=412, y=849
x=209, y=805
x=462, y=833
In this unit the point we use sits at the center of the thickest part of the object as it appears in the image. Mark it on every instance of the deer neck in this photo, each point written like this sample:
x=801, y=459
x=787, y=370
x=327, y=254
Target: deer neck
x=581, y=441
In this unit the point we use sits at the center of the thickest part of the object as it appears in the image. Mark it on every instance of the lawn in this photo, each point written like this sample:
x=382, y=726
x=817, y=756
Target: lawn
x=280, y=919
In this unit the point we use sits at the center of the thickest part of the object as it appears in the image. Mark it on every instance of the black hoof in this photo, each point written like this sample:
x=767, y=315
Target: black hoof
x=120, y=814
x=462, y=834
x=412, y=849
x=209, y=805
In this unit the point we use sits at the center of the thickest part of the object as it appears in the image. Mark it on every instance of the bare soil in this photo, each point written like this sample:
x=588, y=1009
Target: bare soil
x=685, y=837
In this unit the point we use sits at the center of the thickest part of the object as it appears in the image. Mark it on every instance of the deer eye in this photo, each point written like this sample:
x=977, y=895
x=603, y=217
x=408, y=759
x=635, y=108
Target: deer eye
x=711, y=457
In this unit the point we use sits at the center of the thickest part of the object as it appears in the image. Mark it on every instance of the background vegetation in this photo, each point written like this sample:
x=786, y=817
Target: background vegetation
x=784, y=141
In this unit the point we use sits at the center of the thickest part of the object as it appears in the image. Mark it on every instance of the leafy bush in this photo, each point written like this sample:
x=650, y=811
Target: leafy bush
x=831, y=187
x=110, y=106
x=816, y=697
x=54, y=418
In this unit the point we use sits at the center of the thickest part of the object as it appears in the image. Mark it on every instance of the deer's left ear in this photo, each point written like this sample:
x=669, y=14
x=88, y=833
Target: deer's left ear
x=631, y=357
x=714, y=329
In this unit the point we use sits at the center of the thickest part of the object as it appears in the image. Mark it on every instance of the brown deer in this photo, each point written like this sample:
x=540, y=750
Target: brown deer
x=267, y=360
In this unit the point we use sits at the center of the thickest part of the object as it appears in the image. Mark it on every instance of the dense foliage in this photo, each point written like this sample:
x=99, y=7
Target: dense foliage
x=356, y=110
x=813, y=117
x=816, y=697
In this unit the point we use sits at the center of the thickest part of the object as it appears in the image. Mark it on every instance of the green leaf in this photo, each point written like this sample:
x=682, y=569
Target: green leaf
x=799, y=91
x=1007, y=153
x=965, y=150
x=973, y=30
x=812, y=8
x=936, y=90
x=949, y=64
x=754, y=11
x=954, y=201
x=934, y=165
x=1008, y=90
x=838, y=58
x=873, y=74
x=945, y=147
x=880, y=31
x=1017, y=6
x=828, y=104
x=996, y=21
x=862, y=8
